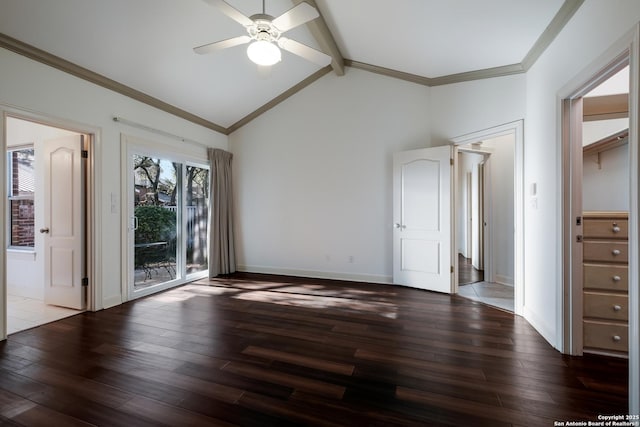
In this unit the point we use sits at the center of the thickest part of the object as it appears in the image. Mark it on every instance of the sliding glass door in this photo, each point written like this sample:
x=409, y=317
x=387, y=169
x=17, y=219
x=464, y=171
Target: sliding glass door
x=169, y=208
x=197, y=217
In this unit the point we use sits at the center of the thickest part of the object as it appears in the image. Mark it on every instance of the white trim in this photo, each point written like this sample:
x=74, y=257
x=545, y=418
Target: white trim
x=634, y=223
x=504, y=280
x=3, y=250
x=516, y=129
x=545, y=329
x=366, y=278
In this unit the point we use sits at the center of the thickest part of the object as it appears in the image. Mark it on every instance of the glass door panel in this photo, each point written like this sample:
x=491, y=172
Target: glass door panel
x=197, y=205
x=156, y=220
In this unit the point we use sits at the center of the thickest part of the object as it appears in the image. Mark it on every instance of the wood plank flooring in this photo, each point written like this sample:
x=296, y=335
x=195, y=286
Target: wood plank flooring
x=467, y=273
x=257, y=350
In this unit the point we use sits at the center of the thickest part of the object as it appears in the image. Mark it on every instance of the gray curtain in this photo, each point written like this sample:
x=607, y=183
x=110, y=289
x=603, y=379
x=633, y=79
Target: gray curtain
x=222, y=257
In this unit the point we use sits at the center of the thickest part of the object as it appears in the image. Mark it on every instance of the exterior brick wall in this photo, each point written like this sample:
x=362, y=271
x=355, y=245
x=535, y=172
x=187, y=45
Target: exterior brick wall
x=22, y=212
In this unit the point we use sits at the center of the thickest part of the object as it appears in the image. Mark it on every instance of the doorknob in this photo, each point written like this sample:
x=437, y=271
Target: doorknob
x=44, y=230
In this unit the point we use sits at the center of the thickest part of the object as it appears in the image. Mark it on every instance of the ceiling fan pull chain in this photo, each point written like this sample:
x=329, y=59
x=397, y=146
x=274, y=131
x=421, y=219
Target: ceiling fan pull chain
x=263, y=8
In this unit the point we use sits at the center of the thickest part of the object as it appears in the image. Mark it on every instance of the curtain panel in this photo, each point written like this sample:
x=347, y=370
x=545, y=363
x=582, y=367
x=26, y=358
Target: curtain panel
x=222, y=258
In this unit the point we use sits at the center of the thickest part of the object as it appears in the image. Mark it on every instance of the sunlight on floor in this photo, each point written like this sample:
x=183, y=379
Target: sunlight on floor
x=308, y=296
x=24, y=313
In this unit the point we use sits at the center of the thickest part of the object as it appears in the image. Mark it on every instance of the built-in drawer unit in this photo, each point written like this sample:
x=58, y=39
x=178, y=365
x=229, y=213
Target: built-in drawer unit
x=605, y=282
x=605, y=251
x=606, y=306
x=606, y=336
x=606, y=277
x=606, y=228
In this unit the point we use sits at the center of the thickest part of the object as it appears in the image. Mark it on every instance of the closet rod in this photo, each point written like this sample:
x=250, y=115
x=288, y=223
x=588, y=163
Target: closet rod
x=157, y=131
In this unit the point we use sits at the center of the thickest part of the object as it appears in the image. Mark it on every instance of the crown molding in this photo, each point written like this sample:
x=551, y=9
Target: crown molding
x=68, y=67
x=322, y=34
x=414, y=78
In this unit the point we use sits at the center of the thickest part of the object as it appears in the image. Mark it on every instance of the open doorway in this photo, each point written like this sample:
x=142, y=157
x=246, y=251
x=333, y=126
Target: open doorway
x=485, y=220
x=46, y=216
x=596, y=120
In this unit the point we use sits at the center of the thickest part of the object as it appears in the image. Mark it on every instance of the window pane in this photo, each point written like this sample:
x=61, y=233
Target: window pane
x=22, y=173
x=197, y=198
x=22, y=223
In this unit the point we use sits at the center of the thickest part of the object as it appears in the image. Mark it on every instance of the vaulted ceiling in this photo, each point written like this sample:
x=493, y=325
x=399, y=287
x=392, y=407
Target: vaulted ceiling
x=143, y=48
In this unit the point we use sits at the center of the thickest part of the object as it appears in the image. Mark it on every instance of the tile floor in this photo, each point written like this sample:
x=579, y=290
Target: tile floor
x=24, y=313
x=494, y=294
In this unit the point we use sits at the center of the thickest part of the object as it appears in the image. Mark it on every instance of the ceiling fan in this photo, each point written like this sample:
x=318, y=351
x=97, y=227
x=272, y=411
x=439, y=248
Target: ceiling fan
x=265, y=34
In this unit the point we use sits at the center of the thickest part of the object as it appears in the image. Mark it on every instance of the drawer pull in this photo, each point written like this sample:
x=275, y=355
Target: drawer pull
x=615, y=252
x=616, y=278
x=616, y=307
x=615, y=229
x=616, y=338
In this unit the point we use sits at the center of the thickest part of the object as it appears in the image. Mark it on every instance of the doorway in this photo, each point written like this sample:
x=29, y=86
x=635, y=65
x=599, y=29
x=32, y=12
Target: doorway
x=489, y=188
x=46, y=233
x=596, y=129
x=486, y=180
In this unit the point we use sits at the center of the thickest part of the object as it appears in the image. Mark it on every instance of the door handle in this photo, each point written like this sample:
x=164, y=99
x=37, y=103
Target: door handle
x=44, y=230
x=398, y=225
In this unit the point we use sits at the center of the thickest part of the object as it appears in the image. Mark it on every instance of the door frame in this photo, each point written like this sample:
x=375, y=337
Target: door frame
x=93, y=205
x=515, y=128
x=569, y=308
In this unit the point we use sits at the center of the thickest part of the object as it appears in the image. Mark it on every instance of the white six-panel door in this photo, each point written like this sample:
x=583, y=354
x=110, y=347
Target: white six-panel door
x=422, y=219
x=63, y=227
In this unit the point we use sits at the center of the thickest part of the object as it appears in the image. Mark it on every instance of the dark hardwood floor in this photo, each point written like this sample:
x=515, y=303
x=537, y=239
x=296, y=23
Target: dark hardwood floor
x=467, y=273
x=257, y=350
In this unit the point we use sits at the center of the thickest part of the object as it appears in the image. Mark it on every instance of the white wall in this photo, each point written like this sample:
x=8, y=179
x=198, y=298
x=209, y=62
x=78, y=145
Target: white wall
x=313, y=176
x=501, y=206
x=32, y=86
x=463, y=108
x=605, y=187
x=595, y=27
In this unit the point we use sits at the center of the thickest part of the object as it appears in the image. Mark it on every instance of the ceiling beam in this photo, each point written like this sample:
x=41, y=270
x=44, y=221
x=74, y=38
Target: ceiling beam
x=566, y=11
x=323, y=36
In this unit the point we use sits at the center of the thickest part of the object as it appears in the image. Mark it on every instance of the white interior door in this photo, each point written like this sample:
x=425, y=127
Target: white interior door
x=63, y=227
x=422, y=235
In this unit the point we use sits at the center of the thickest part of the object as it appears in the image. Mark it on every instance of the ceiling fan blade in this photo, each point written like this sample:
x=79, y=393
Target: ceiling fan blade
x=223, y=44
x=304, y=51
x=231, y=12
x=295, y=16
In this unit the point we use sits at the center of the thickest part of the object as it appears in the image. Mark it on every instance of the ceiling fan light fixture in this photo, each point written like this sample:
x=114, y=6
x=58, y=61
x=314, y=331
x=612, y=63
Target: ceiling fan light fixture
x=263, y=52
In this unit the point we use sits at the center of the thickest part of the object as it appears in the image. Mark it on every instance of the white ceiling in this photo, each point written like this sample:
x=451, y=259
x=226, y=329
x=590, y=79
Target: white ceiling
x=147, y=44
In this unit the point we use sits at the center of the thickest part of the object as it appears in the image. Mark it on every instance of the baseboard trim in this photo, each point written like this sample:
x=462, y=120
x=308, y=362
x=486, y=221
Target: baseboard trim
x=111, y=301
x=543, y=329
x=504, y=280
x=351, y=277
